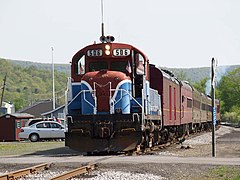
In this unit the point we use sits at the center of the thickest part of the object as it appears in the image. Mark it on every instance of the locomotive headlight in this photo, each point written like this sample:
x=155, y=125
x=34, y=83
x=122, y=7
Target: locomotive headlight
x=107, y=49
x=107, y=52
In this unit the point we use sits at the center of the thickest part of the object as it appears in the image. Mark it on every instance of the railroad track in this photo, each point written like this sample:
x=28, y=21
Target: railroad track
x=23, y=172
x=75, y=172
x=41, y=167
x=81, y=170
x=152, y=150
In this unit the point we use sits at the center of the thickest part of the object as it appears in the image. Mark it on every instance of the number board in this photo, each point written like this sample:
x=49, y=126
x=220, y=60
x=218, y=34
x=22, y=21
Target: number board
x=121, y=52
x=94, y=52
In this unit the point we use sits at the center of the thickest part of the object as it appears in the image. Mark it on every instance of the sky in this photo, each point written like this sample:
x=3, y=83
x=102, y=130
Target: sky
x=172, y=33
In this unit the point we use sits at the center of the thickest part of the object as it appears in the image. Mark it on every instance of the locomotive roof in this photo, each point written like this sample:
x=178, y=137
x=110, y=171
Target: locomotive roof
x=98, y=45
x=169, y=75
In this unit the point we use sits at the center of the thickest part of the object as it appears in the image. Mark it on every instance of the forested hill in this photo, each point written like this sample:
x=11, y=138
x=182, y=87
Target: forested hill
x=28, y=82
x=65, y=68
x=194, y=75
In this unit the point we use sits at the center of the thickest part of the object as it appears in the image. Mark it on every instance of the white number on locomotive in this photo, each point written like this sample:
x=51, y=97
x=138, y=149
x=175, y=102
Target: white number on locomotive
x=121, y=52
x=94, y=52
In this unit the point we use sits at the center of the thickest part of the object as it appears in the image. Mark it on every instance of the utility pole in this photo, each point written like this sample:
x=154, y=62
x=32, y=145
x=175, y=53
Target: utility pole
x=214, y=65
x=3, y=88
x=53, y=83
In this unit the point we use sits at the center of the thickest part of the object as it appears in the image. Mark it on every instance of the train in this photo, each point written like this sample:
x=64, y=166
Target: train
x=118, y=101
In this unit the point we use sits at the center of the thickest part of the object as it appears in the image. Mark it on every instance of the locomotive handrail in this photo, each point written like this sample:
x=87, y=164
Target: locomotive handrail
x=84, y=97
x=122, y=96
x=123, y=90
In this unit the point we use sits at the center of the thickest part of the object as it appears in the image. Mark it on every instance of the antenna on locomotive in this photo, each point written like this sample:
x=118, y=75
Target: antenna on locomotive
x=102, y=18
x=104, y=38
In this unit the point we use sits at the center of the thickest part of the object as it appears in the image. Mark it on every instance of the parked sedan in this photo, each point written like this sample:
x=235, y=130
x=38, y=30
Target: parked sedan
x=42, y=130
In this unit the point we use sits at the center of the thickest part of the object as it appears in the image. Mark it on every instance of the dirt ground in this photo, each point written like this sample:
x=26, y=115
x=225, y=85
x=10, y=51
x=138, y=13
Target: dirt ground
x=227, y=146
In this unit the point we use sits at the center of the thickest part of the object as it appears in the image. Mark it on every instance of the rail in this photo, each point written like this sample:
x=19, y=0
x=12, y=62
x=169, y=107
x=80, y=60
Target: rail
x=75, y=172
x=23, y=172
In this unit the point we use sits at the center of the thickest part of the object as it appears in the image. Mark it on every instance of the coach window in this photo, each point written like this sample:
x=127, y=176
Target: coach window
x=139, y=64
x=79, y=66
x=189, y=103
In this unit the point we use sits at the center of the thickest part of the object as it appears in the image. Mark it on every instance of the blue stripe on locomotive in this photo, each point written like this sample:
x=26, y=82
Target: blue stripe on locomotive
x=75, y=104
x=87, y=100
x=122, y=97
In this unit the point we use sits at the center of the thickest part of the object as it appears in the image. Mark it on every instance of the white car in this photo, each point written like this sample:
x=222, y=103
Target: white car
x=42, y=130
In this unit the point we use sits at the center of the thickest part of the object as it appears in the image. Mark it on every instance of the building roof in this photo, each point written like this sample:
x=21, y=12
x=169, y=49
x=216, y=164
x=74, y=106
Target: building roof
x=38, y=108
x=19, y=115
x=35, y=104
x=54, y=110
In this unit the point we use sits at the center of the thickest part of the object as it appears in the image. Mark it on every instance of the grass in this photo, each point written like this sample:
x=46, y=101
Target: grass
x=225, y=173
x=21, y=148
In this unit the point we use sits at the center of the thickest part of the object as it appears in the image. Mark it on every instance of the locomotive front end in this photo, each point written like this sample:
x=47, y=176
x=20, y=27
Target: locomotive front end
x=101, y=116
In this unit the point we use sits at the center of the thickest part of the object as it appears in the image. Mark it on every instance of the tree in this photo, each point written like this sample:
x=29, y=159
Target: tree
x=229, y=90
x=201, y=85
x=181, y=75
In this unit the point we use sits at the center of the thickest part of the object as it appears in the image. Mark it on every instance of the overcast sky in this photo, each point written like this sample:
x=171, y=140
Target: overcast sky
x=172, y=33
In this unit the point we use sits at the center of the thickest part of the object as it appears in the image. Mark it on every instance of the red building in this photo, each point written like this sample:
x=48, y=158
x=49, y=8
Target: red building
x=10, y=125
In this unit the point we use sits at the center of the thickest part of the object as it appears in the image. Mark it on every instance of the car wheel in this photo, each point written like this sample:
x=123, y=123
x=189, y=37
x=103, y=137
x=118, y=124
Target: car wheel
x=34, y=137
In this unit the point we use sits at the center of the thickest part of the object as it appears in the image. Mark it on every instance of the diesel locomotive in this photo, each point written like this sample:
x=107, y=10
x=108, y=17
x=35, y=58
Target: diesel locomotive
x=117, y=101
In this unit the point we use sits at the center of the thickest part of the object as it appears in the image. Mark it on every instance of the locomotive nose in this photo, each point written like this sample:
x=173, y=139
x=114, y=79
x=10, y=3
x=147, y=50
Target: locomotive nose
x=105, y=85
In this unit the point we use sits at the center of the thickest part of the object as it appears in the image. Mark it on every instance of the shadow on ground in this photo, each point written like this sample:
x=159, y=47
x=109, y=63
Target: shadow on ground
x=56, y=152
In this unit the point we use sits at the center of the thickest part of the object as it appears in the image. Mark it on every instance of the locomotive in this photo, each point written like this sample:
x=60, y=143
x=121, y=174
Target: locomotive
x=117, y=101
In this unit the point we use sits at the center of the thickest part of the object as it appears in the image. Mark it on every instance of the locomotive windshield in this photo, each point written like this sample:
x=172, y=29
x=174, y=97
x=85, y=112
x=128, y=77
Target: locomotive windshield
x=118, y=66
x=97, y=66
x=114, y=66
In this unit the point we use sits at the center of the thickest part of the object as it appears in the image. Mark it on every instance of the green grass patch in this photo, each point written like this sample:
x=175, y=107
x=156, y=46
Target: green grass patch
x=21, y=148
x=225, y=173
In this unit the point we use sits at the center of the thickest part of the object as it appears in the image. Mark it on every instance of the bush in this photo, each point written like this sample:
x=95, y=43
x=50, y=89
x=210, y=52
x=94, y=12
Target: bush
x=233, y=116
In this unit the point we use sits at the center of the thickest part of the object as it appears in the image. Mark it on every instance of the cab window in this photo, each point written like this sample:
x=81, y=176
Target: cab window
x=79, y=66
x=139, y=60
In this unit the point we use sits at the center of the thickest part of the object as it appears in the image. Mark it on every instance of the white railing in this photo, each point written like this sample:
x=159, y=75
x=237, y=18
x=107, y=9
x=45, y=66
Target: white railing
x=152, y=101
x=84, y=98
x=113, y=102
